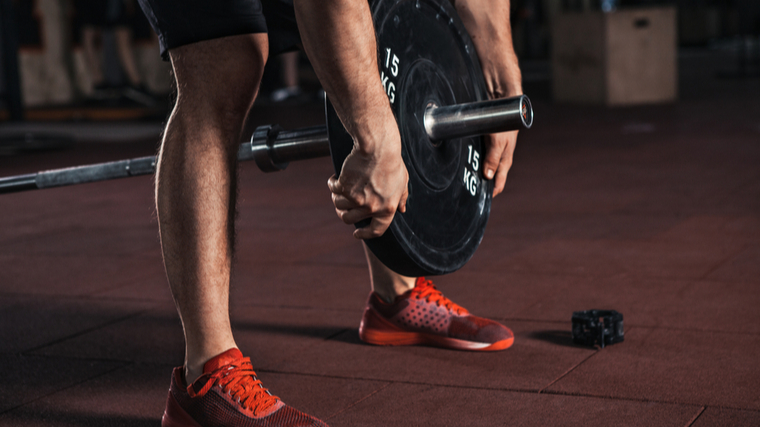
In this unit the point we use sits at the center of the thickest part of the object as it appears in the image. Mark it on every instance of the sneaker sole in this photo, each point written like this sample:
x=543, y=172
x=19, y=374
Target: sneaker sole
x=417, y=338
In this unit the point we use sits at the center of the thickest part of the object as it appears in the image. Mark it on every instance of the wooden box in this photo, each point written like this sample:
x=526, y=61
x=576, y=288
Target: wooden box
x=623, y=57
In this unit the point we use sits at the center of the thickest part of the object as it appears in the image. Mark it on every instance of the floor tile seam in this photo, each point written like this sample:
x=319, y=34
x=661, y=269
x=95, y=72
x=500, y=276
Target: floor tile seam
x=654, y=240
x=102, y=258
x=568, y=371
x=131, y=255
x=575, y=275
x=77, y=297
x=308, y=262
x=54, y=232
x=733, y=408
x=696, y=417
x=664, y=213
x=87, y=331
x=133, y=362
x=628, y=326
x=335, y=334
x=298, y=307
x=643, y=400
x=500, y=274
x=527, y=320
x=406, y=382
x=351, y=405
x=633, y=399
x=70, y=386
x=560, y=274
x=723, y=262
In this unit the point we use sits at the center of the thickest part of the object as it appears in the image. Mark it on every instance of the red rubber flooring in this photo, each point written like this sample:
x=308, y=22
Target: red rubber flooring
x=652, y=211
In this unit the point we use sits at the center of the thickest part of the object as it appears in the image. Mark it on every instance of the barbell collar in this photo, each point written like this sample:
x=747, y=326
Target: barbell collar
x=18, y=183
x=273, y=148
x=478, y=118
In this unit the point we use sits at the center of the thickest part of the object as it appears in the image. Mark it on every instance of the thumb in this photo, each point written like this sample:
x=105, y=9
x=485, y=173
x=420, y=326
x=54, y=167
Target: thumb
x=494, y=148
x=402, y=202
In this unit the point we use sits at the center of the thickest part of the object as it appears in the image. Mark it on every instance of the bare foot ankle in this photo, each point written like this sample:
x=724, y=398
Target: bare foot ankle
x=191, y=375
x=385, y=282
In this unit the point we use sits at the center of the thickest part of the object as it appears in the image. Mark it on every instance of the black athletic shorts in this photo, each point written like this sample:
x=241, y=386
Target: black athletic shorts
x=182, y=22
x=104, y=13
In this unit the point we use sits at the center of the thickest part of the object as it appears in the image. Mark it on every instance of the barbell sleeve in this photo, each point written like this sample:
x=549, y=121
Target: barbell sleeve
x=478, y=118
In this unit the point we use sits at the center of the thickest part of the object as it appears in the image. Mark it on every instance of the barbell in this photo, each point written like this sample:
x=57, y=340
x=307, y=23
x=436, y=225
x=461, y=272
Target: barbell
x=435, y=86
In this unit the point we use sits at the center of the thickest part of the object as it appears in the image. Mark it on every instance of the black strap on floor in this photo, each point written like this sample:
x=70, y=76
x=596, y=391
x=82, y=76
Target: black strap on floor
x=597, y=327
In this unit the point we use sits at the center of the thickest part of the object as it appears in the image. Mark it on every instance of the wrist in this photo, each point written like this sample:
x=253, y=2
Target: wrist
x=502, y=74
x=375, y=133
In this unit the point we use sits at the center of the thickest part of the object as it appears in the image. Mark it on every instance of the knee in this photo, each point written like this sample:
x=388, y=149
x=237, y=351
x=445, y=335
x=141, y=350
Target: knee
x=220, y=78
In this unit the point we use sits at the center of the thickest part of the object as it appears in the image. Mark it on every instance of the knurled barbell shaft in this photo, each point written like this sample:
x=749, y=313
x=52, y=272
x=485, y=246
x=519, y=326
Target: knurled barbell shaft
x=272, y=148
x=79, y=175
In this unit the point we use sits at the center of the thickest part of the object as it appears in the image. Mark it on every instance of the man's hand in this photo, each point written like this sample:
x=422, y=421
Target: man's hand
x=338, y=37
x=371, y=185
x=487, y=22
x=500, y=148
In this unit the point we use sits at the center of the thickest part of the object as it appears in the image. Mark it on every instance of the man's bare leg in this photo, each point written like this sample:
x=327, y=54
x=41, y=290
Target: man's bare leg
x=217, y=82
x=384, y=281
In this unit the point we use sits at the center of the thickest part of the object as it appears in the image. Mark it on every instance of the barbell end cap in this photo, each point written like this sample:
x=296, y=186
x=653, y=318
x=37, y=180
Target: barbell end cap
x=526, y=111
x=262, y=140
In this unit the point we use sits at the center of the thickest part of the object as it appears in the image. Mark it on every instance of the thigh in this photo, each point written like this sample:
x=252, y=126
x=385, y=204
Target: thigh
x=183, y=22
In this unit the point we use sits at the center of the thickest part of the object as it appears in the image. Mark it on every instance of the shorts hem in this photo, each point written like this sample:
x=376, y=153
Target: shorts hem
x=212, y=32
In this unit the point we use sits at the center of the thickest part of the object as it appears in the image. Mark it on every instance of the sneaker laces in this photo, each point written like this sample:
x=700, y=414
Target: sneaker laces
x=239, y=381
x=426, y=289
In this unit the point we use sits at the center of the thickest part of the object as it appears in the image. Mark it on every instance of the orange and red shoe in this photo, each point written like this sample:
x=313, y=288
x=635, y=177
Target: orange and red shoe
x=228, y=394
x=424, y=316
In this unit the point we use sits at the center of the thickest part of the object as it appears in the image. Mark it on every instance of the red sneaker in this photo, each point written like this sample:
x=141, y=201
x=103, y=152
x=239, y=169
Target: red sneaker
x=228, y=394
x=424, y=316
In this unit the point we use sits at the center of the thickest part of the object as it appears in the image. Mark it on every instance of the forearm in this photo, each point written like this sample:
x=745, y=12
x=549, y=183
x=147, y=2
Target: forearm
x=487, y=22
x=339, y=39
